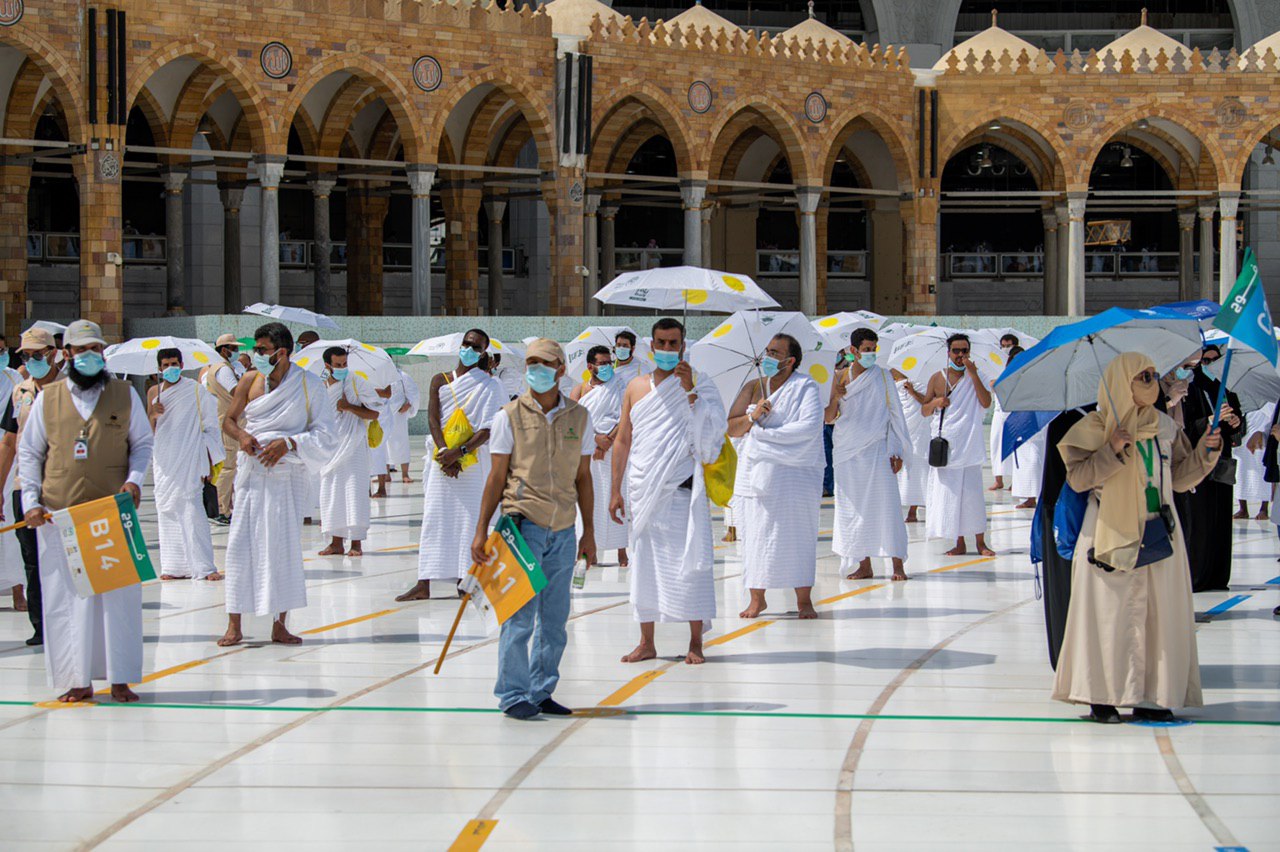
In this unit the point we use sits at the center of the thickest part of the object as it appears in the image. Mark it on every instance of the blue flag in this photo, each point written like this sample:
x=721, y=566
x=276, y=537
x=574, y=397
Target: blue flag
x=1245, y=316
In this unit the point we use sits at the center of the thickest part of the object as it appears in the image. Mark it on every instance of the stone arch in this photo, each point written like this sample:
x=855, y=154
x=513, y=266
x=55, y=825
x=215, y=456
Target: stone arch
x=1234, y=177
x=153, y=113
x=252, y=102
x=770, y=117
x=23, y=107
x=1211, y=165
x=58, y=70
x=1026, y=128
x=890, y=137
x=529, y=102
x=629, y=106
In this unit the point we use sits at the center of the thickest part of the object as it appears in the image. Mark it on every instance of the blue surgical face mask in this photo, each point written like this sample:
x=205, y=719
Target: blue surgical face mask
x=1182, y=374
x=604, y=373
x=468, y=356
x=622, y=353
x=171, y=374
x=866, y=360
x=340, y=373
x=959, y=368
x=89, y=363
x=38, y=368
x=262, y=363
x=769, y=366
x=666, y=360
x=540, y=377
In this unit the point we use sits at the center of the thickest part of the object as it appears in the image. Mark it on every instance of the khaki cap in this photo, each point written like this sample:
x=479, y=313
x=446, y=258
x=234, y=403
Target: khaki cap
x=546, y=349
x=34, y=339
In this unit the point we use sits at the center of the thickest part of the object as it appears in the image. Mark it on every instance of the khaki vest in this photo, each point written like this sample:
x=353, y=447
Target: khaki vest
x=68, y=482
x=541, y=479
x=24, y=396
x=224, y=397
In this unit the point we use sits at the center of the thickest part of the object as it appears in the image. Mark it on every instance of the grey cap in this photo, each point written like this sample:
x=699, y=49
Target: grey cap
x=82, y=332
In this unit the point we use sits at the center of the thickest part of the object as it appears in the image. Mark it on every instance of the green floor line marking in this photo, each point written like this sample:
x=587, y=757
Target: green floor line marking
x=624, y=711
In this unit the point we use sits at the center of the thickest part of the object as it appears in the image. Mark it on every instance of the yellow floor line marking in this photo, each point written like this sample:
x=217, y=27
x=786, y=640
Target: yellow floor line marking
x=474, y=835
x=357, y=620
x=173, y=670
x=844, y=595
x=741, y=631
x=398, y=547
x=632, y=686
x=961, y=565
x=55, y=704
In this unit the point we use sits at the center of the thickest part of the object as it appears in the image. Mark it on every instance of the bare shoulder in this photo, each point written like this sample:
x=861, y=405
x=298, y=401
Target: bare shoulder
x=252, y=385
x=638, y=388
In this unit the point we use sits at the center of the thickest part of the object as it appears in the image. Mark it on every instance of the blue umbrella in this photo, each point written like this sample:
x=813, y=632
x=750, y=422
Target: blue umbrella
x=1063, y=370
x=1022, y=426
x=1200, y=309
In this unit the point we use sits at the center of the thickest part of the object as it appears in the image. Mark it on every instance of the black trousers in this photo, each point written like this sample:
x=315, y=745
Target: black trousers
x=31, y=560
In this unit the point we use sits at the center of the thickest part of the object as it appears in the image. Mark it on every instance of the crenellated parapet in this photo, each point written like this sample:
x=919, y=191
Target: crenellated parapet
x=1178, y=61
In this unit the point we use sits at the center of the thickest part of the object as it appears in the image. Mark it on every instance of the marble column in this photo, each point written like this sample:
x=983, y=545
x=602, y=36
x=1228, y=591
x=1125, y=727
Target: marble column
x=708, y=212
x=1207, y=288
x=1075, y=260
x=232, y=197
x=1049, y=301
x=270, y=170
x=322, y=269
x=808, y=199
x=1228, y=206
x=1064, y=251
x=591, y=253
x=692, y=194
x=608, y=215
x=175, y=253
x=496, y=211
x=421, y=179
x=1186, y=255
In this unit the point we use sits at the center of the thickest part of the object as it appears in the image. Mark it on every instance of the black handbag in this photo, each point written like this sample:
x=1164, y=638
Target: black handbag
x=940, y=447
x=209, y=496
x=1224, y=472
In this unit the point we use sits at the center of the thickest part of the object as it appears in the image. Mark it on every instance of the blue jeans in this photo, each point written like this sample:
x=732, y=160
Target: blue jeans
x=828, y=475
x=532, y=677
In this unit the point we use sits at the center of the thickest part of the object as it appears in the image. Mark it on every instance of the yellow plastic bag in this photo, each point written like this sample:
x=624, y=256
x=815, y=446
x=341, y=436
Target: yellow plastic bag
x=215, y=473
x=457, y=431
x=720, y=473
x=375, y=434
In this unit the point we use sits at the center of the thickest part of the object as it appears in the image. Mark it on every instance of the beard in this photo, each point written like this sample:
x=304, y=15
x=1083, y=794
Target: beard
x=82, y=381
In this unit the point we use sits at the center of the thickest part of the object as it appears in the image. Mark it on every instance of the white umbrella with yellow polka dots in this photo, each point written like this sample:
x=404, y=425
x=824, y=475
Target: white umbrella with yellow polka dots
x=685, y=288
x=730, y=355
x=919, y=356
x=368, y=362
x=137, y=357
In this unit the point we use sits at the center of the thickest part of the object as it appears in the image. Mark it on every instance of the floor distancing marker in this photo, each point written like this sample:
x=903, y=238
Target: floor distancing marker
x=350, y=621
x=473, y=836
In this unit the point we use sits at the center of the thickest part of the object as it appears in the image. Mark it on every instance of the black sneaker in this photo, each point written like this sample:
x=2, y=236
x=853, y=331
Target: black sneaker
x=554, y=708
x=1144, y=714
x=223, y=520
x=1104, y=714
x=38, y=639
x=522, y=710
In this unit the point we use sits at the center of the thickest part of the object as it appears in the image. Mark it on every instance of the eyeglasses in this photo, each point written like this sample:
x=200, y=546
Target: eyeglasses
x=1147, y=377
x=27, y=354
x=959, y=351
x=1207, y=361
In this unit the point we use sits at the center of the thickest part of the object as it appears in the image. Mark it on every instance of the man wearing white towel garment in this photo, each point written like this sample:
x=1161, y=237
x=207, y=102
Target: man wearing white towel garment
x=379, y=461
x=957, y=399
x=869, y=447
x=1028, y=461
x=1251, y=483
x=403, y=407
x=454, y=477
x=283, y=424
x=779, y=477
x=86, y=438
x=188, y=443
x=344, y=479
x=311, y=484
x=220, y=380
x=626, y=366
x=1002, y=468
x=601, y=395
x=667, y=431
x=541, y=449
x=913, y=485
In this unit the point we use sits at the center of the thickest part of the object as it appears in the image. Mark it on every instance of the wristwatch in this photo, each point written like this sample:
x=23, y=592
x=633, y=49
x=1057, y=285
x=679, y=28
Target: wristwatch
x=463, y=449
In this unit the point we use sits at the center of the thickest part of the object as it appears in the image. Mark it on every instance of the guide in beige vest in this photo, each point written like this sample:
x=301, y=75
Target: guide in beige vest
x=227, y=481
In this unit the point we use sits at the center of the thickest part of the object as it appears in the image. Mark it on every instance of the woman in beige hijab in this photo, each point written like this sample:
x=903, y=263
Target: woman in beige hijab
x=1130, y=636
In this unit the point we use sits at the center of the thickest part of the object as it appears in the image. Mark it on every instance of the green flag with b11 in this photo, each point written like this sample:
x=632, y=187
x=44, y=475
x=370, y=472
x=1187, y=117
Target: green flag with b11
x=1246, y=319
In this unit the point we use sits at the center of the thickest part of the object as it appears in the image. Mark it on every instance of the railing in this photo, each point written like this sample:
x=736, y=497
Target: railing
x=144, y=250
x=777, y=262
x=846, y=264
x=396, y=257
x=54, y=247
x=1101, y=264
x=636, y=259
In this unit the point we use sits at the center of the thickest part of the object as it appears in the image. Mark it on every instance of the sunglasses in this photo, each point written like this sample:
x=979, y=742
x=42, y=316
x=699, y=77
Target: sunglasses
x=959, y=351
x=1147, y=377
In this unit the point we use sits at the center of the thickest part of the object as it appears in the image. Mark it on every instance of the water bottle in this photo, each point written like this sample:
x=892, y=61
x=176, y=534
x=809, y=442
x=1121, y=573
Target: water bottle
x=580, y=572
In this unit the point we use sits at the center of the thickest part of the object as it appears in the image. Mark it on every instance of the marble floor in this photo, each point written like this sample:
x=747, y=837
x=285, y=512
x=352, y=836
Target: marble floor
x=909, y=716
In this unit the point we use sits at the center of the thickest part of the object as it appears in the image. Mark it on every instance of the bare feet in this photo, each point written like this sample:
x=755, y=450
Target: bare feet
x=1029, y=503
x=694, y=657
x=80, y=693
x=911, y=516
x=623, y=560
x=1263, y=516
x=958, y=550
x=863, y=572
x=214, y=577
x=281, y=636
x=753, y=610
x=807, y=611
x=19, y=600
x=421, y=591
x=122, y=694
x=983, y=550
x=899, y=572
x=641, y=653
x=406, y=479
x=233, y=636
x=355, y=550
x=172, y=577
x=1242, y=515
x=999, y=484
x=730, y=535
x=334, y=549
x=380, y=494
x=308, y=522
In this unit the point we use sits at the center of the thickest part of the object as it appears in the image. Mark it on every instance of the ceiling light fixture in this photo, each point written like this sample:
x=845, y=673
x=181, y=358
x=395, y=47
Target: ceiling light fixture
x=1267, y=159
x=1126, y=162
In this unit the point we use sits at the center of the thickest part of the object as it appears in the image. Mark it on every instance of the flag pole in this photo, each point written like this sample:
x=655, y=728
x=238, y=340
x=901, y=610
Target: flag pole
x=1222, y=384
x=452, y=630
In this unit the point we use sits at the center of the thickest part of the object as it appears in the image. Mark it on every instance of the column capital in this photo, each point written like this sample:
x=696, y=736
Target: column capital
x=421, y=178
x=693, y=193
x=322, y=185
x=591, y=204
x=496, y=209
x=1187, y=220
x=174, y=178
x=270, y=170
x=232, y=197
x=1050, y=219
x=1206, y=212
x=709, y=211
x=808, y=198
x=609, y=212
x=1229, y=204
x=1076, y=204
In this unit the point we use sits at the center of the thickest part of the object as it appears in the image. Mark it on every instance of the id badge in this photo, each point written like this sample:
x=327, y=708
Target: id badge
x=80, y=449
x=1153, y=500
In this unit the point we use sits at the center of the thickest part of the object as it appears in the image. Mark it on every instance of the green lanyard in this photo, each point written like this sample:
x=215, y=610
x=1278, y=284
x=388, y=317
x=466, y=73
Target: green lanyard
x=1147, y=450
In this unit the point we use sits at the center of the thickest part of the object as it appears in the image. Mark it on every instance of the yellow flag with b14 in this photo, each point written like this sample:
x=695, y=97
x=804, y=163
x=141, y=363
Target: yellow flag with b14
x=508, y=580
x=104, y=545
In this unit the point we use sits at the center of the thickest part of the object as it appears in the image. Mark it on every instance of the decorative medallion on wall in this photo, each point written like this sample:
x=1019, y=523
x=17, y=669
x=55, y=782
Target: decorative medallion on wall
x=700, y=97
x=1078, y=115
x=276, y=60
x=10, y=12
x=815, y=107
x=427, y=74
x=108, y=166
x=1230, y=112
x=576, y=192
